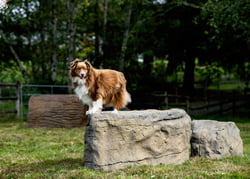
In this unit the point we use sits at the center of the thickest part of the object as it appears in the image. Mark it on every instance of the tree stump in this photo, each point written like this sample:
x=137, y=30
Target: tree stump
x=56, y=111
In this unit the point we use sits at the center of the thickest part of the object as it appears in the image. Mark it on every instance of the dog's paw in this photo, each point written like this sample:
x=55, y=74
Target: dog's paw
x=94, y=111
x=87, y=112
x=115, y=111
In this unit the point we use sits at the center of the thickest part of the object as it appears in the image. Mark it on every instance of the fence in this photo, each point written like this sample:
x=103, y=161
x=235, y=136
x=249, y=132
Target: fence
x=161, y=100
x=15, y=98
x=211, y=102
x=219, y=103
x=28, y=90
x=171, y=100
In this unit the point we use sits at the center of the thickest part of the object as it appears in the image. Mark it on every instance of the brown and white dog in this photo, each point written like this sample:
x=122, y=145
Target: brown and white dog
x=98, y=88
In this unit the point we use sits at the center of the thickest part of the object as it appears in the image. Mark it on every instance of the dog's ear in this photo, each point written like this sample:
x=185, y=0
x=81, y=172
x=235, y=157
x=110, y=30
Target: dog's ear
x=73, y=64
x=89, y=66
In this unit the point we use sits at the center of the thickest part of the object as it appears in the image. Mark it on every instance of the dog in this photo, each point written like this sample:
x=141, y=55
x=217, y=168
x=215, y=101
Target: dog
x=98, y=88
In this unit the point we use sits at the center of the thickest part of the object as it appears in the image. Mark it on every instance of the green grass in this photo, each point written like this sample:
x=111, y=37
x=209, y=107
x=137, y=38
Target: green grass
x=58, y=153
x=228, y=87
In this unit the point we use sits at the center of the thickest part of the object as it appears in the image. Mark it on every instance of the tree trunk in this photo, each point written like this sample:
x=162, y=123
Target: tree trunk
x=43, y=52
x=71, y=30
x=54, y=41
x=188, y=83
x=125, y=37
x=105, y=14
x=148, y=58
x=97, y=30
x=103, y=44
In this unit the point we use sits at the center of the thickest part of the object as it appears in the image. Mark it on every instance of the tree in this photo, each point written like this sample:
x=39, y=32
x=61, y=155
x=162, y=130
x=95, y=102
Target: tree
x=169, y=32
x=71, y=11
x=54, y=40
x=125, y=36
x=37, y=31
x=16, y=57
x=228, y=32
x=43, y=36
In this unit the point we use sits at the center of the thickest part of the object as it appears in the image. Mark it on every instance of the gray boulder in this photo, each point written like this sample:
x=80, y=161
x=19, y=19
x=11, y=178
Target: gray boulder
x=213, y=139
x=131, y=138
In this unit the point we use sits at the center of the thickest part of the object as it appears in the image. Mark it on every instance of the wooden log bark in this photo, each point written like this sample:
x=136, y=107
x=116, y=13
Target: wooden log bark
x=56, y=111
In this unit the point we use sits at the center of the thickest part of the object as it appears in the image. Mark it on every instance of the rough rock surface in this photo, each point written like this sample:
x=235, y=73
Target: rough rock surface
x=55, y=111
x=214, y=139
x=129, y=138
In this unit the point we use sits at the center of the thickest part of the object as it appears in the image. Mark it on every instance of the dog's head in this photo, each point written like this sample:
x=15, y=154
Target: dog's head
x=80, y=69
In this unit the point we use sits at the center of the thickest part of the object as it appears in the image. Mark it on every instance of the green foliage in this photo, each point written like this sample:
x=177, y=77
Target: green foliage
x=226, y=18
x=227, y=31
x=10, y=73
x=159, y=70
x=177, y=31
x=209, y=73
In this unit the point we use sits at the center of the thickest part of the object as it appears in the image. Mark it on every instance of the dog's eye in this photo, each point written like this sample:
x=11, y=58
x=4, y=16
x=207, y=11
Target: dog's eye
x=78, y=69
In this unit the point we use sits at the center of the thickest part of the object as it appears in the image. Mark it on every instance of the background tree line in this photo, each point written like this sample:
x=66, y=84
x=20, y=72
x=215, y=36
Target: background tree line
x=149, y=40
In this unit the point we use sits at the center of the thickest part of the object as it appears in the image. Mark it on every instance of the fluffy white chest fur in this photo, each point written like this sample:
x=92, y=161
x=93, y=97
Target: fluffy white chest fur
x=83, y=94
x=82, y=91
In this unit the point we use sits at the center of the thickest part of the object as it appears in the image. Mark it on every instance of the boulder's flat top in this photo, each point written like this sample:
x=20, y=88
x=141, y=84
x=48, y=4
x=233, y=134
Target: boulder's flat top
x=150, y=114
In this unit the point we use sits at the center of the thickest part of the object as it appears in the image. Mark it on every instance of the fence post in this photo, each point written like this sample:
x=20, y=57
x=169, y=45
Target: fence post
x=17, y=100
x=187, y=104
x=206, y=98
x=21, y=101
x=234, y=102
x=221, y=103
x=166, y=99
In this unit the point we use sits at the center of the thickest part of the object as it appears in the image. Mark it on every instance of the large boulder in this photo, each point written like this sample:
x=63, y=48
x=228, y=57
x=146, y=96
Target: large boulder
x=214, y=139
x=130, y=138
x=56, y=111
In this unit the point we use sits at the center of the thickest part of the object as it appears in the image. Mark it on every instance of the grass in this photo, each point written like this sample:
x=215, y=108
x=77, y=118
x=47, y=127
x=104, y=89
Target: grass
x=58, y=153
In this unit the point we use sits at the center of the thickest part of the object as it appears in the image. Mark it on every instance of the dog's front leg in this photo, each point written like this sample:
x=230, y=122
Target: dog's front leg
x=90, y=110
x=97, y=106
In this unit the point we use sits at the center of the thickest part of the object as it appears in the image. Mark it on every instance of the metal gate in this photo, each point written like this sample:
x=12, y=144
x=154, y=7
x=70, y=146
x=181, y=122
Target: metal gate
x=28, y=90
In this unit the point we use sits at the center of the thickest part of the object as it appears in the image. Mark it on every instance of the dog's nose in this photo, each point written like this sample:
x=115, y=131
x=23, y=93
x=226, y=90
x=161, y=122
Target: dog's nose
x=81, y=75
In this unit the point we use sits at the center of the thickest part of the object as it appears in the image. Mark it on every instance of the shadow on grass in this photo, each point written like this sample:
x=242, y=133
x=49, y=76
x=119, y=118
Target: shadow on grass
x=45, y=167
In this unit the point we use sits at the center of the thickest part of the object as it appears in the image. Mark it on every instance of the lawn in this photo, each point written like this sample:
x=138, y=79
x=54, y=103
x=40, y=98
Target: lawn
x=58, y=153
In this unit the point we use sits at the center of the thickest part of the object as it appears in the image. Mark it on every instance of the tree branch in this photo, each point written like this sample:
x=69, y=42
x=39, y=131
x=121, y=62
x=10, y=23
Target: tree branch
x=16, y=57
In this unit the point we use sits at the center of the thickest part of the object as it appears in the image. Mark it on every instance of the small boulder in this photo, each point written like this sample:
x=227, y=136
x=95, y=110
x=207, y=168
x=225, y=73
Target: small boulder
x=214, y=139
